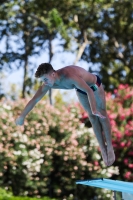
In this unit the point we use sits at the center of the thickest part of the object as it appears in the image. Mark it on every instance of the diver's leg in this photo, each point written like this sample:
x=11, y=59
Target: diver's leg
x=105, y=123
x=83, y=99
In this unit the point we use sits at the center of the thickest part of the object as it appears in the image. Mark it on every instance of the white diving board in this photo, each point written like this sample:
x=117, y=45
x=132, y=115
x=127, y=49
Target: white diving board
x=119, y=186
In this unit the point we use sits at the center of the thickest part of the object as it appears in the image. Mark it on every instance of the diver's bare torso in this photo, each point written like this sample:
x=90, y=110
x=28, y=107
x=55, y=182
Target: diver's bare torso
x=68, y=72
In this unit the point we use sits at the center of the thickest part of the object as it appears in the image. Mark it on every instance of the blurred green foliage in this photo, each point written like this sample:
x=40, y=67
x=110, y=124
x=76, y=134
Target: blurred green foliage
x=6, y=195
x=98, y=32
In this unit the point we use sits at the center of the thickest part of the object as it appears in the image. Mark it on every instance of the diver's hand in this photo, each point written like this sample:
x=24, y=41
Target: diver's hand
x=19, y=121
x=98, y=114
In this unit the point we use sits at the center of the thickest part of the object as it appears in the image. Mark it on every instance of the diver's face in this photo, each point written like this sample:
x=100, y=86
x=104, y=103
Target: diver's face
x=48, y=79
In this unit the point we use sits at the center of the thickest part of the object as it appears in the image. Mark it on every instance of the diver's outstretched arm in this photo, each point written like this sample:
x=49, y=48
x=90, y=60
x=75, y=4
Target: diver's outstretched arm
x=30, y=105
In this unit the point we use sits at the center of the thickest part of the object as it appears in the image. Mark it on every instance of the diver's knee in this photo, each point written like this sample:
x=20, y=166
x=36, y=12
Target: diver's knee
x=92, y=118
x=103, y=111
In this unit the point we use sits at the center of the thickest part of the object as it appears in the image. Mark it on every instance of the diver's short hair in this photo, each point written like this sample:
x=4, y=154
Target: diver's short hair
x=42, y=69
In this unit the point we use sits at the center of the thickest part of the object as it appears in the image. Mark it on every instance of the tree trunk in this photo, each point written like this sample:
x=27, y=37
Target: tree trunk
x=50, y=58
x=25, y=75
x=81, y=48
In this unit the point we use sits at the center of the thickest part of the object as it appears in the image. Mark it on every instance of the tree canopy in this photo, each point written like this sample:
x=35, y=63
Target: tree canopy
x=98, y=32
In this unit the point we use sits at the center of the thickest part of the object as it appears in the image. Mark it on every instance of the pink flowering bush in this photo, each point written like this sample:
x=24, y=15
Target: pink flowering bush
x=120, y=110
x=49, y=153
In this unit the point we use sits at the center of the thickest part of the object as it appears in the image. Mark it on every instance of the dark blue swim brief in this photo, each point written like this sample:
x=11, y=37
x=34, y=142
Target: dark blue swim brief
x=93, y=87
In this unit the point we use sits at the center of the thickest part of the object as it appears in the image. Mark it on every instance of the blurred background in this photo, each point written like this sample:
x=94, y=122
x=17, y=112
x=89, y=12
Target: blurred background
x=56, y=146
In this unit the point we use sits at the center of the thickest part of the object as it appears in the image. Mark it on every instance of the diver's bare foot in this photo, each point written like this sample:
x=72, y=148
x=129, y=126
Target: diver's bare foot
x=104, y=156
x=111, y=156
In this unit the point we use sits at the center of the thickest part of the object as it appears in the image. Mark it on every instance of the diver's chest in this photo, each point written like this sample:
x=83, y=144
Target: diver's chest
x=64, y=85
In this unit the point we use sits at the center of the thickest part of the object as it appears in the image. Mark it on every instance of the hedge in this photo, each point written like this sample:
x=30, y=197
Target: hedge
x=49, y=153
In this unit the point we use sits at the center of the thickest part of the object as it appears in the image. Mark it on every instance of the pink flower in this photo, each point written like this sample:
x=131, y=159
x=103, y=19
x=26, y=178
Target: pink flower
x=128, y=96
x=118, y=135
x=127, y=175
x=130, y=165
x=128, y=133
x=115, y=91
x=126, y=161
x=96, y=163
x=115, y=145
x=112, y=115
x=122, y=144
x=121, y=86
x=122, y=117
x=130, y=153
x=84, y=115
x=112, y=122
x=74, y=142
x=128, y=144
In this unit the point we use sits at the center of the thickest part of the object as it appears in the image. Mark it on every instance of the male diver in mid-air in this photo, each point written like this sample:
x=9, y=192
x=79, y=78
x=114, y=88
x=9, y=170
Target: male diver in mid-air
x=90, y=93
